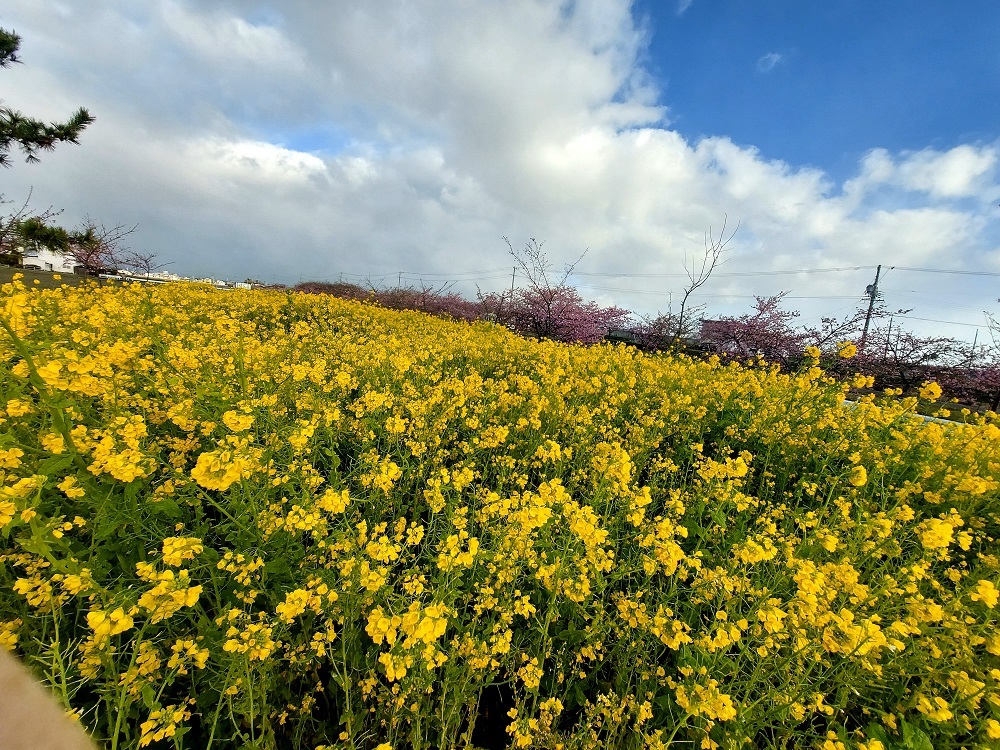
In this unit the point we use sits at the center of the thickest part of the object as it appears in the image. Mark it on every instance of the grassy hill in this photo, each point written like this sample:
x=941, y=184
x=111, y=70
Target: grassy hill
x=45, y=279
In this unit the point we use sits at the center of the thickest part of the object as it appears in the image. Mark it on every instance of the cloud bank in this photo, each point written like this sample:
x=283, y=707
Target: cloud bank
x=300, y=141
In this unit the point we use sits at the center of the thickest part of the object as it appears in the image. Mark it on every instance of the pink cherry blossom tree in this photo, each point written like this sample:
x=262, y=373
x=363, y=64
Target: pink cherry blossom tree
x=767, y=331
x=548, y=306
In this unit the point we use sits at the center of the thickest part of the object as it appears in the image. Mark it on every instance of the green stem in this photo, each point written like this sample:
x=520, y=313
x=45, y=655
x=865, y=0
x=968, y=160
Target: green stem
x=678, y=728
x=58, y=667
x=120, y=704
x=346, y=682
x=253, y=738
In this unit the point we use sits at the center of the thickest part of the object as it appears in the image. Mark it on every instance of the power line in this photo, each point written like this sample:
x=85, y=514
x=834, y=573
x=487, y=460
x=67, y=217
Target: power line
x=459, y=273
x=949, y=322
x=936, y=293
x=733, y=274
x=947, y=270
x=741, y=274
x=490, y=274
x=420, y=277
x=719, y=296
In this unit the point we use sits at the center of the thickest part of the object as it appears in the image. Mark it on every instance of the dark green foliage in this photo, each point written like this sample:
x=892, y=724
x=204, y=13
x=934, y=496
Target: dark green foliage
x=36, y=233
x=26, y=133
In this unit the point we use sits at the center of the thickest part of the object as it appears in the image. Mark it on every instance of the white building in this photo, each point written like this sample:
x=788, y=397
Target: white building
x=43, y=259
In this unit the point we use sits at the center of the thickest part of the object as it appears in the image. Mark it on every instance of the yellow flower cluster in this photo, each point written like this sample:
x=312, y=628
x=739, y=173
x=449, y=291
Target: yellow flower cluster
x=253, y=639
x=706, y=700
x=107, y=624
x=117, y=450
x=313, y=597
x=847, y=350
x=187, y=651
x=178, y=549
x=171, y=592
x=278, y=520
x=219, y=469
x=162, y=723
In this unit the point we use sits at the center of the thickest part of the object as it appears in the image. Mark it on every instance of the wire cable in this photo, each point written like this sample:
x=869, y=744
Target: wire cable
x=721, y=274
x=949, y=322
x=719, y=296
x=947, y=270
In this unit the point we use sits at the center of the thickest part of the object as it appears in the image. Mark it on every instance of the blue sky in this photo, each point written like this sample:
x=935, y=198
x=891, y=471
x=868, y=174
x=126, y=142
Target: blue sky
x=300, y=141
x=823, y=83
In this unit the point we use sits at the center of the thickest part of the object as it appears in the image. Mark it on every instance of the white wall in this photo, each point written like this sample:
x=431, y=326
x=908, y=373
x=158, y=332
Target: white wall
x=47, y=260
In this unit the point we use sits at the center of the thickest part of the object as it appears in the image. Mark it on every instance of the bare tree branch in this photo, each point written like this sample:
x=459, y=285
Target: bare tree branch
x=536, y=267
x=97, y=247
x=141, y=263
x=698, y=276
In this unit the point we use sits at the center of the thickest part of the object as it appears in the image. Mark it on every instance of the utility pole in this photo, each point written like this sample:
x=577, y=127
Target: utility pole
x=872, y=292
x=972, y=351
x=513, y=273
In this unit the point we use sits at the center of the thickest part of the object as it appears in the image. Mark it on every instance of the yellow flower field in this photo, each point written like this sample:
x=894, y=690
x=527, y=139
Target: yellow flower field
x=255, y=519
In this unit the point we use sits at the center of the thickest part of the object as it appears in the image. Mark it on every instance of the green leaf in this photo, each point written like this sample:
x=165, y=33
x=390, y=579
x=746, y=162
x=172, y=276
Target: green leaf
x=576, y=696
x=277, y=566
x=107, y=528
x=665, y=702
x=55, y=465
x=36, y=546
x=133, y=488
x=877, y=732
x=149, y=697
x=915, y=738
x=167, y=508
x=571, y=636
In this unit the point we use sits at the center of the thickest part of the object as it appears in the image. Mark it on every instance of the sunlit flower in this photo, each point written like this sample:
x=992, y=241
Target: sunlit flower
x=930, y=391
x=177, y=549
x=105, y=624
x=858, y=476
x=986, y=593
x=846, y=350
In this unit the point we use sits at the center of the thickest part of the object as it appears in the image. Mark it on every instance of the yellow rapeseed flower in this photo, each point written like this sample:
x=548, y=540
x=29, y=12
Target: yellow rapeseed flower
x=846, y=350
x=986, y=593
x=177, y=549
x=935, y=533
x=237, y=421
x=162, y=723
x=218, y=470
x=169, y=595
x=930, y=391
x=993, y=729
x=106, y=624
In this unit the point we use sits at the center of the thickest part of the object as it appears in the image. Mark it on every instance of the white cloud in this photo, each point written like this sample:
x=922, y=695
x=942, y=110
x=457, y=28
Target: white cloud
x=964, y=171
x=223, y=39
x=682, y=6
x=255, y=161
x=766, y=62
x=460, y=124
